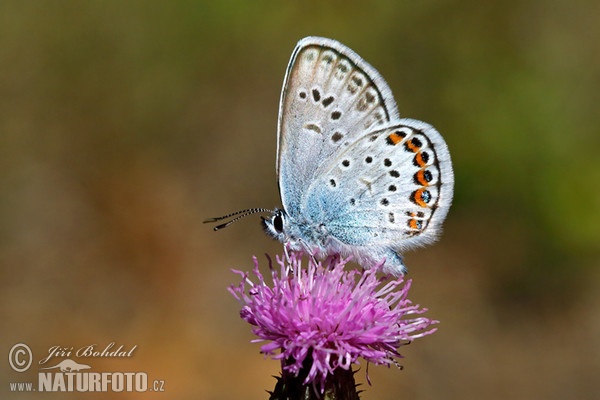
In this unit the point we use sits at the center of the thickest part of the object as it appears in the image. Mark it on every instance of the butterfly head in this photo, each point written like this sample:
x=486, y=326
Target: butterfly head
x=276, y=224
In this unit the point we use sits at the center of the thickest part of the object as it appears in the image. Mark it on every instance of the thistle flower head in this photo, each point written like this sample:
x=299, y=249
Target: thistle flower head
x=324, y=317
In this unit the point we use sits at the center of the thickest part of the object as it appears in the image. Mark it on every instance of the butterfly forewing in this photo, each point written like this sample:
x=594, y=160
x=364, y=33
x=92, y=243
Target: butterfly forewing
x=330, y=98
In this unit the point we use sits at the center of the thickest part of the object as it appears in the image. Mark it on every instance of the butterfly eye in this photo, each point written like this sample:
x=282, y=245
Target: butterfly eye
x=278, y=223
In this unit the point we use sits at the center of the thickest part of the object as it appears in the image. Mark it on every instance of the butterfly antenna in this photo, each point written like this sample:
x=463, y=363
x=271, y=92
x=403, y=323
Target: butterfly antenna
x=240, y=214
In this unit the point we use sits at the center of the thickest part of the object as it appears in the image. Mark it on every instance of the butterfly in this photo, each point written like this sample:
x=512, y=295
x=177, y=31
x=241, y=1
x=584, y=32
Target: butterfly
x=355, y=179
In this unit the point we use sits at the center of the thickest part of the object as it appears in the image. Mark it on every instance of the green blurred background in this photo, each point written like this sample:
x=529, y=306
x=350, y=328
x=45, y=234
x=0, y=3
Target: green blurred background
x=124, y=124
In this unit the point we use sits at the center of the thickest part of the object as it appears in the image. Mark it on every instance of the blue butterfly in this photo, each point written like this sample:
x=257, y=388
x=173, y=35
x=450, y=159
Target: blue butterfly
x=355, y=179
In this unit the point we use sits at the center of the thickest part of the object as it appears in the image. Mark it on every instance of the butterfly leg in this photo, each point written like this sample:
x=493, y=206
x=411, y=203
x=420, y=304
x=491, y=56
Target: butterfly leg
x=288, y=251
x=308, y=251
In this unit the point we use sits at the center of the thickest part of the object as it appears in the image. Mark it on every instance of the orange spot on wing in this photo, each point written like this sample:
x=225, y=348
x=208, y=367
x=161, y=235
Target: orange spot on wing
x=418, y=197
x=410, y=146
x=421, y=178
x=419, y=160
x=415, y=224
x=394, y=138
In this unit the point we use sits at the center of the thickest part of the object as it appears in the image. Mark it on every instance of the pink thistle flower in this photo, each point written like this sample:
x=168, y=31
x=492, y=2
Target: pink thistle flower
x=321, y=319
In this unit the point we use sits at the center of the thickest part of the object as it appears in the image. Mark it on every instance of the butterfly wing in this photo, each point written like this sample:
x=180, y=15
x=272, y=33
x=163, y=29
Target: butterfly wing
x=330, y=97
x=389, y=191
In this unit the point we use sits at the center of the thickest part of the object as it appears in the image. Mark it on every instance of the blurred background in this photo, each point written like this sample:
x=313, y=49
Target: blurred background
x=124, y=124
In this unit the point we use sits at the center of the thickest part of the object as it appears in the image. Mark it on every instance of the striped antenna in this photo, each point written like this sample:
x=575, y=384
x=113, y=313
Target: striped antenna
x=240, y=214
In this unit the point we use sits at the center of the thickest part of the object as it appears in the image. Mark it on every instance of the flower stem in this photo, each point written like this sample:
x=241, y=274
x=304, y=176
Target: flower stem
x=339, y=385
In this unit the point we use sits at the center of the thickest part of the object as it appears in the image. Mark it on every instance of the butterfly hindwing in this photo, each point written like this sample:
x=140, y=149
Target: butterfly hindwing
x=391, y=188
